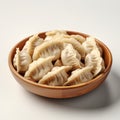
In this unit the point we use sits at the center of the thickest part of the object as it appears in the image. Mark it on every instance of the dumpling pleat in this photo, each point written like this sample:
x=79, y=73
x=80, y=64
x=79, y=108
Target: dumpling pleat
x=33, y=42
x=76, y=45
x=21, y=61
x=49, y=48
x=70, y=57
x=79, y=75
x=58, y=76
x=39, y=68
x=96, y=61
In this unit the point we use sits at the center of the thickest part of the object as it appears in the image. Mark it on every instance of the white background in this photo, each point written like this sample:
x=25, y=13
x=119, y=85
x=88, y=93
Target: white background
x=21, y=18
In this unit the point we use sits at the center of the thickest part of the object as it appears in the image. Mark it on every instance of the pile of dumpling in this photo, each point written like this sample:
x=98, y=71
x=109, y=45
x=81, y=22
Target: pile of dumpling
x=59, y=59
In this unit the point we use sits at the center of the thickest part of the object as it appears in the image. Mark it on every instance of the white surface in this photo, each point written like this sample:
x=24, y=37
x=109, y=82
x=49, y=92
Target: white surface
x=21, y=18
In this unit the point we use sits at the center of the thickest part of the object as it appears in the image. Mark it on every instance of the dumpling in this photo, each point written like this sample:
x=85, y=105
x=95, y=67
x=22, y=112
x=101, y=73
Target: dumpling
x=54, y=32
x=63, y=34
x=95, y=60
x=76, y=45
x=21, y=60
x=37, y=69
x=79, y=75
x=79, y=38
x=70, y=57
x=57, y=77
x=33, y=42
x=51, y=35
x=48, y=48
x=91, y=44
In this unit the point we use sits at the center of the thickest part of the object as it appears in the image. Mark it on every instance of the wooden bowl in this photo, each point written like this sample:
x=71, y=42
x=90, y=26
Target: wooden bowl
x=61, y=91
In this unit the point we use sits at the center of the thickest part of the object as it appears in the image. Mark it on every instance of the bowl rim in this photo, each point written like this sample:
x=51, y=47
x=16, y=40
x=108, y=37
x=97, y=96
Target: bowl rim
x=59, y=87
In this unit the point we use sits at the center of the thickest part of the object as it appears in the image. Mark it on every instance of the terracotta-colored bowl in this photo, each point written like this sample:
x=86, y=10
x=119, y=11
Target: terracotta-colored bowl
x=61, y=91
